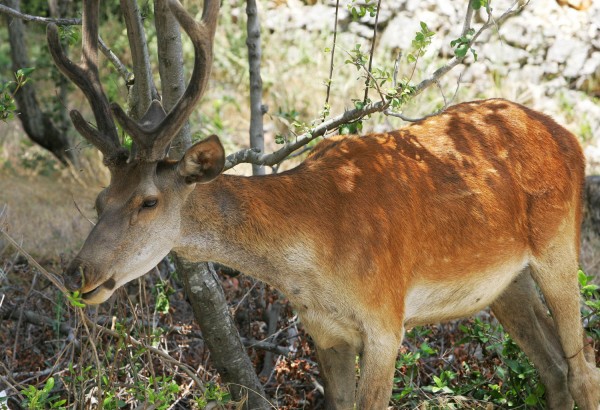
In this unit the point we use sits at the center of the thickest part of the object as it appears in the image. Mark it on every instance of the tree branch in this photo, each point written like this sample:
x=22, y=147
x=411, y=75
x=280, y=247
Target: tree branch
x=170, y=68
x=257, y=110
x=112, y=57
x=454, y=61
x=254, y=156
x=36, y=19
x=121, y=68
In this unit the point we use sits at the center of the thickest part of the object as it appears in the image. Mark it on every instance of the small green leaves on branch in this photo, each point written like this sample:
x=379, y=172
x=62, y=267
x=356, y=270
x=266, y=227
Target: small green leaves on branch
x=7, y=91
x=401, y=95
x=477, y=4
x=358, y=11
x=69, y=34
x=41, y=399
x=420, y=43
x=463, y=44
x=357, y=57
x=75, y=298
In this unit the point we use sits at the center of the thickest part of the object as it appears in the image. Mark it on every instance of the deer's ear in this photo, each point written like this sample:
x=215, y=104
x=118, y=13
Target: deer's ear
x=203, y=161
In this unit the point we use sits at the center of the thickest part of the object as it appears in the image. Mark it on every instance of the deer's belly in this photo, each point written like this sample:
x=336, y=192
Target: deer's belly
x=434, y=302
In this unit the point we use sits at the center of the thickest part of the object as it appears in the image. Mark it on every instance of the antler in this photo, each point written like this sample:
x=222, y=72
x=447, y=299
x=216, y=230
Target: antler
x=85, y=75
x=156, y=130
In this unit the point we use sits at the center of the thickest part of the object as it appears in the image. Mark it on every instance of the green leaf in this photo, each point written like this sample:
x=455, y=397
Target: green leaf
x=461, y=50
x=49, y=385
x=582, y=277
x=75, y=299
x=25, y=71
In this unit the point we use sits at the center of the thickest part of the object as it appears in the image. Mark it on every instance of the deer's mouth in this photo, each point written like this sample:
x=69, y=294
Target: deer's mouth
x=91, y=293
x=105, y=287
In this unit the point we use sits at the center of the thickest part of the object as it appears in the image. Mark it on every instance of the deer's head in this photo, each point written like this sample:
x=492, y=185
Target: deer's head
x=139, y=212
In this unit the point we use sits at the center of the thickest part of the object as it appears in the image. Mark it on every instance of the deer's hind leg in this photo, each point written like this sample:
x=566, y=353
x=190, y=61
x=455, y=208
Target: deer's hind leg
x=555, y=271
x=523, y=315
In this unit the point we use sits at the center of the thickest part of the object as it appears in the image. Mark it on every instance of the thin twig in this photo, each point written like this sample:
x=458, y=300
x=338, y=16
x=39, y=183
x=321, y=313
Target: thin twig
x=81, y=213
x=112, y=57
x=369, y=77
x=20, y=318
x=158, y=352
x=446, y=104
x=454, y=61
x=330, y=79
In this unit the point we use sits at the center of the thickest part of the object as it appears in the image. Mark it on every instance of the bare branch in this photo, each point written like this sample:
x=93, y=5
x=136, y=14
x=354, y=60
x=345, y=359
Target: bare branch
x=369, y=76
x=52, y=278
x=123, y=71
x=170, y=68
x=36, y=19
x=256, y=157
x=14, y=313
x=112, y=57
x=335, y=25
x=143, y=90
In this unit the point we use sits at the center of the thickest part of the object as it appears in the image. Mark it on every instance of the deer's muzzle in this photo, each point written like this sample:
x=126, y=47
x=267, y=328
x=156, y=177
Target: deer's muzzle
x=73, y=276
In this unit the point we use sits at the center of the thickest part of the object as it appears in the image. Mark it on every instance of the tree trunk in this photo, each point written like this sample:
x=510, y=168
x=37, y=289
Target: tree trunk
x=200, y=280
x=220, y=334
x=38, y=125
x=592, y=199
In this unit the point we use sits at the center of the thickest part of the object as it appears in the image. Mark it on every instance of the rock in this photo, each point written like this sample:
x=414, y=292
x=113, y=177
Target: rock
x=576, y=60
x=399, y=32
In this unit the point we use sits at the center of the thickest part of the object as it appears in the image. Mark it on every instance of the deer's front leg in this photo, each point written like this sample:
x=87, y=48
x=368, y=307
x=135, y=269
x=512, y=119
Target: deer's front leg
x=377, y=366
x=337, y=367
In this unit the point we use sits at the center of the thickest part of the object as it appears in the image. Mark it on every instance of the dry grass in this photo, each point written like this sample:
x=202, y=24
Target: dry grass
x=40, y=198
x=42, y=214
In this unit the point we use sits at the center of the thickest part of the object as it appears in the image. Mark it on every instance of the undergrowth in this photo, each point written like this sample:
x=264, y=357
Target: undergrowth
x=114, y=361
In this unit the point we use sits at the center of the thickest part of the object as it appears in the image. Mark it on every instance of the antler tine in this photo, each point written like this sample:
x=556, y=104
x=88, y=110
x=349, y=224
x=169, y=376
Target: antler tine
x=105, y=137
x=151, y=137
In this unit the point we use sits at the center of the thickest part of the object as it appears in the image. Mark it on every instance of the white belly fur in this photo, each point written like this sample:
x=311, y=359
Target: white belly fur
x=434, y=302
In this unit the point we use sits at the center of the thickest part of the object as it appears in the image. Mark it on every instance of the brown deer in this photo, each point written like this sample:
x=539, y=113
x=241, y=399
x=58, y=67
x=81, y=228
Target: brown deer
x=367, y=237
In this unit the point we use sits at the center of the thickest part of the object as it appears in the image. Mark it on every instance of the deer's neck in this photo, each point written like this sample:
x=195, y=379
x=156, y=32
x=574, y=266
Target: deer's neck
x=255, y=225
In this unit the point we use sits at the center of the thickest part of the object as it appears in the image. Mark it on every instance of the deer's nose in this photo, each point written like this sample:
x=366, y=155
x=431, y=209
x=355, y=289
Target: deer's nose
x=73, y=276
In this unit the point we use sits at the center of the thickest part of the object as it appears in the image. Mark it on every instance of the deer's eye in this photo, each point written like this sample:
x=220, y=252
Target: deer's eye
x=149, y=203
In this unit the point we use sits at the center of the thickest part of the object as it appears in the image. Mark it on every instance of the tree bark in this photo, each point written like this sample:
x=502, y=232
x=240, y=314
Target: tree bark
x=200, y=280
x=170, y=68
x=38, y=125
x=592, y=199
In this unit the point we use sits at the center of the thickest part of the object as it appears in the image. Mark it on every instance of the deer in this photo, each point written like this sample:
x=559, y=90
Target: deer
x=370, y=235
